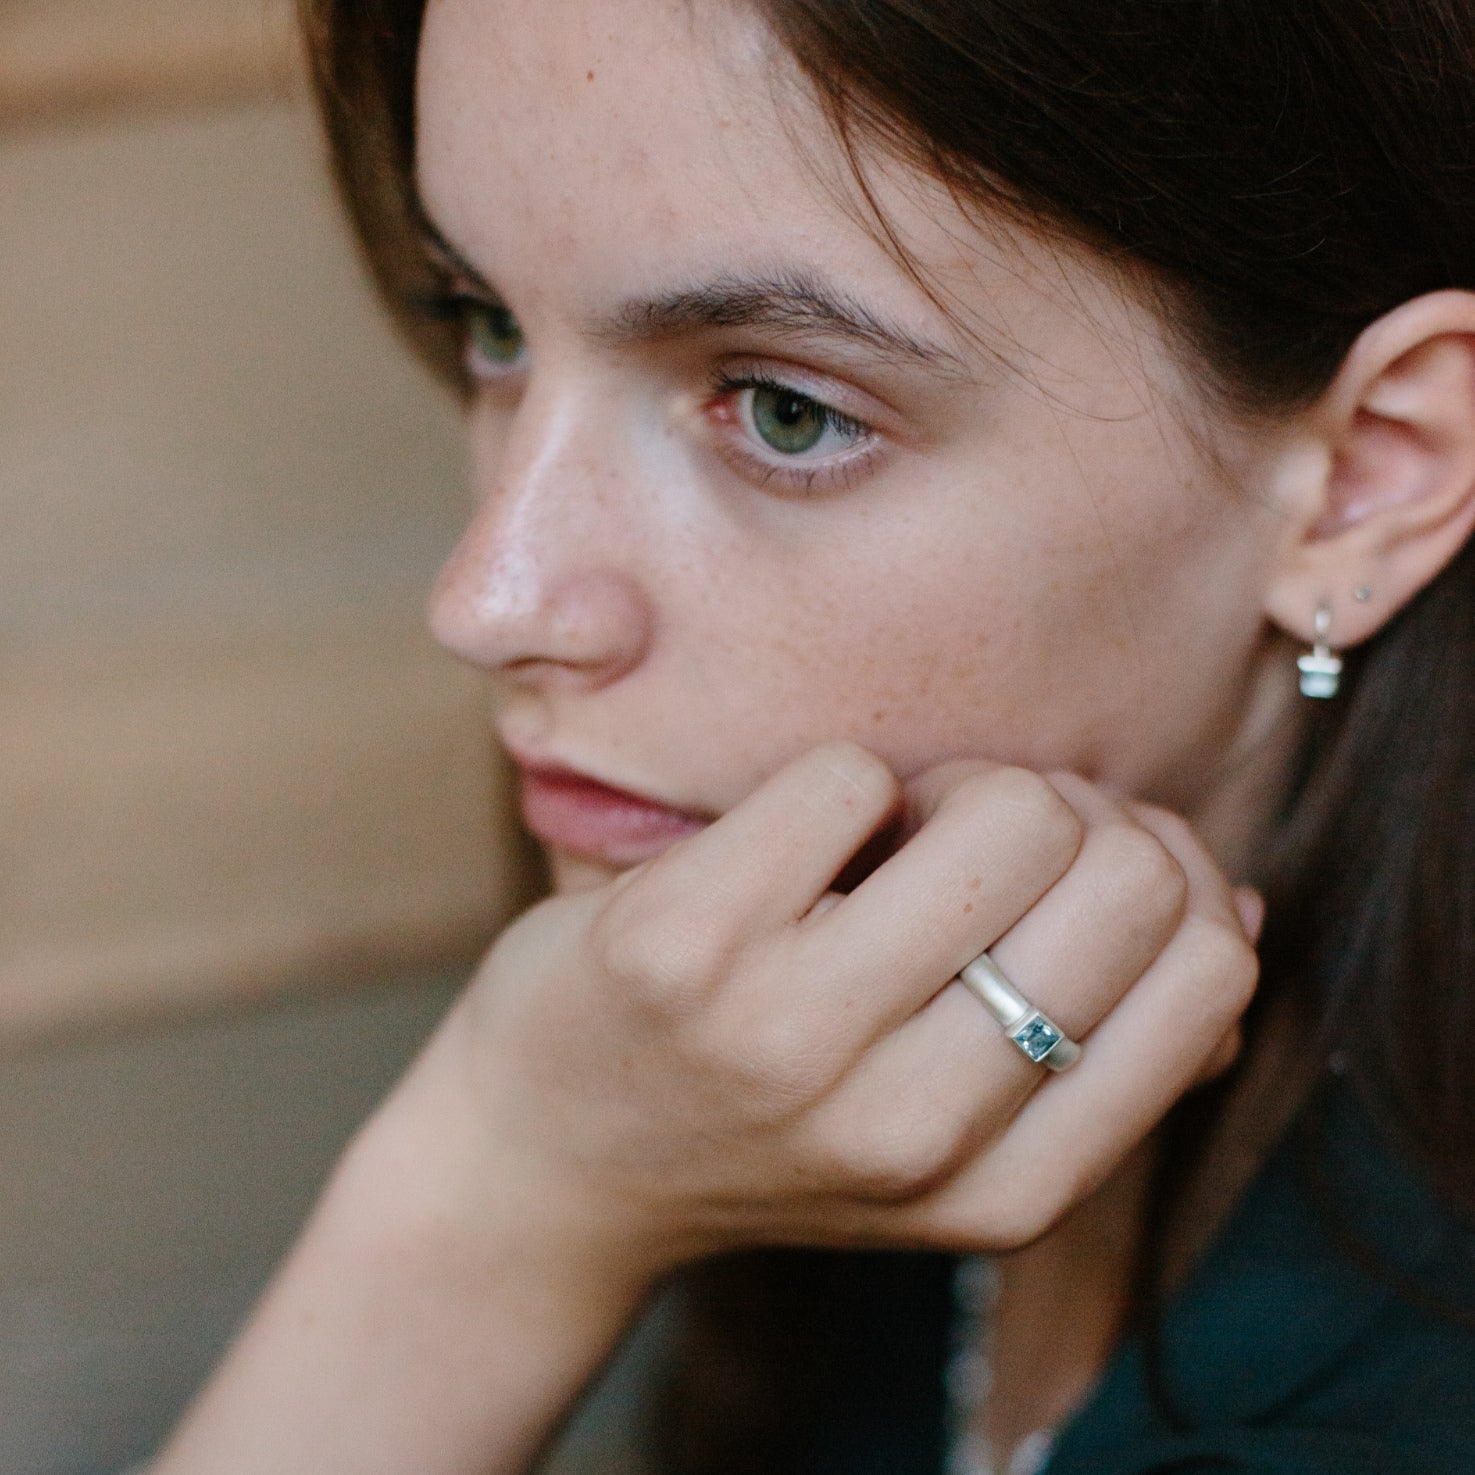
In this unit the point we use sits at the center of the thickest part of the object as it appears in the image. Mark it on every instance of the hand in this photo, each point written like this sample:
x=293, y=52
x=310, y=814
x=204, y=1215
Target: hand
x=720, y=1050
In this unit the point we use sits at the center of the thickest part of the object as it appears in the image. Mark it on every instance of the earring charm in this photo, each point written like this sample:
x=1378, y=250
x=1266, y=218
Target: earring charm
x=1321, y=669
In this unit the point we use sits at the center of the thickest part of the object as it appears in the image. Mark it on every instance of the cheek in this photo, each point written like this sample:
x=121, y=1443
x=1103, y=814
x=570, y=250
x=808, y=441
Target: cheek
x=1040, y=629
x=920, y=657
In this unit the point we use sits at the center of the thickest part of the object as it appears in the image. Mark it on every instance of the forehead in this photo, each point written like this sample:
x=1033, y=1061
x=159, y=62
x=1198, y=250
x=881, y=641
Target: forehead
x=585, y=152
x=610, y=140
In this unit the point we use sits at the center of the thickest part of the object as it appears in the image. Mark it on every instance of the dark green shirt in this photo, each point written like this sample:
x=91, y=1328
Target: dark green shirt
x=1315, y=1338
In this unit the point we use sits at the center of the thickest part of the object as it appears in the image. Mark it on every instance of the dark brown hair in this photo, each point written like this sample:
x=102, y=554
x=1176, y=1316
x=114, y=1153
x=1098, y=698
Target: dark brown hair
x=1287, y=171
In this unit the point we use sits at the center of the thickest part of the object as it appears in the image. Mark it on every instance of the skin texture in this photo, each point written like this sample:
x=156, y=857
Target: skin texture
x=1050, y=585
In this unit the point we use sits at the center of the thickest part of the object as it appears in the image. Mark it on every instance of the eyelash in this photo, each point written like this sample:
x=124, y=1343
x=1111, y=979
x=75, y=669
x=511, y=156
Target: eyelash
x=842, y=470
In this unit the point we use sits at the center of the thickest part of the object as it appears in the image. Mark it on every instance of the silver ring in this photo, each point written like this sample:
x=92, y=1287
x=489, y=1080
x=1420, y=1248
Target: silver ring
x=1034, y=1032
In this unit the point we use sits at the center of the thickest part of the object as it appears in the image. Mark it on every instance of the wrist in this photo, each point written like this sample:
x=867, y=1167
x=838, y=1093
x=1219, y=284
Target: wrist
x=438, y=1166
x=431, y=1317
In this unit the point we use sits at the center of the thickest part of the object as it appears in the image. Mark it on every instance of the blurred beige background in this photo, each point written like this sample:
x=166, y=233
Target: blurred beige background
x=252, y=834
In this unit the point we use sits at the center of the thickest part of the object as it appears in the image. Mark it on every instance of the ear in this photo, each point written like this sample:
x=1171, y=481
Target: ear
x=1388, y=499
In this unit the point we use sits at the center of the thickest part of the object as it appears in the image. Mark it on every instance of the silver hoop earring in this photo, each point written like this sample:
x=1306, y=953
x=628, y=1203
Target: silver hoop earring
x=1321, y=669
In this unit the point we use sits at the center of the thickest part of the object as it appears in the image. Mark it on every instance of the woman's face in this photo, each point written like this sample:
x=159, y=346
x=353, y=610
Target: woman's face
x=743, y=485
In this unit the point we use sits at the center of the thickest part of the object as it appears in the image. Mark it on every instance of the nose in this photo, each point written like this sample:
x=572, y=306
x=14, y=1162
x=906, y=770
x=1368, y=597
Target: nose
x=540, y=586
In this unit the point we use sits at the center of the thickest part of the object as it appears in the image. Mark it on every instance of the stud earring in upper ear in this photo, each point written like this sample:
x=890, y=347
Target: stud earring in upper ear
x=1321, y=670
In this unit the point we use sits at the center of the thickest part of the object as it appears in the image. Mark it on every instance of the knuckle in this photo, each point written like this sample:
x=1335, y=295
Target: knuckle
x=779, y=1068
x=901, y=1157
x=1140, y=868
x=1055, y=826
x=656, y=954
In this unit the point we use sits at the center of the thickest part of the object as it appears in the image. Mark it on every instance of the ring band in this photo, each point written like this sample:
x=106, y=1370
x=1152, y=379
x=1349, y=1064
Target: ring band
x=1032, y=1031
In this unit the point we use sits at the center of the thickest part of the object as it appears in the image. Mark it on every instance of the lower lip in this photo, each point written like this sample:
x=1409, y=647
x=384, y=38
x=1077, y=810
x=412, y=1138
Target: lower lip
x=588, y=819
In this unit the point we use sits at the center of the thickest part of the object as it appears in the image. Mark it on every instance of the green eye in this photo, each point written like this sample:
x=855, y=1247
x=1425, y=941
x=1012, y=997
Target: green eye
x=493, y=334
x=787, y=422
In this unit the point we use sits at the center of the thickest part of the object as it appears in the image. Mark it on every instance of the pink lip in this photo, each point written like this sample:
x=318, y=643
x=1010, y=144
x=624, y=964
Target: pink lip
x=570, y=811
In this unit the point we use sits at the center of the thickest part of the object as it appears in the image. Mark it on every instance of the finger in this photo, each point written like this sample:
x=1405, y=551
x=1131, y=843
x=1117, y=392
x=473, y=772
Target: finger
x=1143, y=1058
x=994, y=844
x=771, y=857
x=1213, y=943
x=925, y=794
x=1140, y=1060
x=1079, y=949
x=1097, y=930
x=1073, y=955
x=1210, y=892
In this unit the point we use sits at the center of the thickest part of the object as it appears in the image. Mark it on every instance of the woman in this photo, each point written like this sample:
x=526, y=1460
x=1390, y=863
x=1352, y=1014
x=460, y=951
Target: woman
x=912, y=443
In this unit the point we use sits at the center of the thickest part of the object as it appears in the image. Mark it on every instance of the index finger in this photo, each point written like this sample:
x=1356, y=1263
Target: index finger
x=770, y=858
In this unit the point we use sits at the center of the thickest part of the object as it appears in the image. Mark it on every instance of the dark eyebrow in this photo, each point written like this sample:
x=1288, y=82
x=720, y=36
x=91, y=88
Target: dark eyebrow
x=797, y=303
x=788, y=303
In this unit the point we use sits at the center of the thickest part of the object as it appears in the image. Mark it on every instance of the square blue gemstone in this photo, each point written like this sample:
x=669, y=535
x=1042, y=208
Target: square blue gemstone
x=1037, y=1038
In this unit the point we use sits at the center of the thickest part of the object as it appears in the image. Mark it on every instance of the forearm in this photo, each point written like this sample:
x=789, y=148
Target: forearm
x=430, y=1318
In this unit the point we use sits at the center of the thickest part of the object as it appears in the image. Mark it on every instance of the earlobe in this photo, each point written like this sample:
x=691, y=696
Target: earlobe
x=1396, y=499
